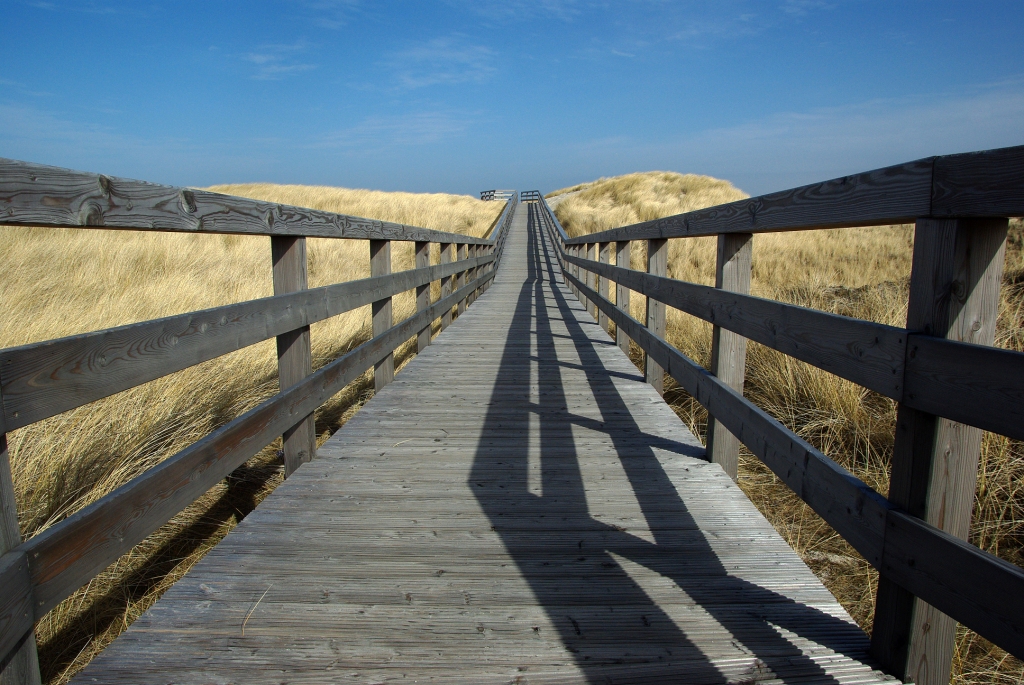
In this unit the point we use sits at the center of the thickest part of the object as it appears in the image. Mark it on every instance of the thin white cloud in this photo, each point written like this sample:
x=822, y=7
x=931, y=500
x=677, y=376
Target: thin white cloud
x=275, y=61
x=415, y=128
x=442, y=61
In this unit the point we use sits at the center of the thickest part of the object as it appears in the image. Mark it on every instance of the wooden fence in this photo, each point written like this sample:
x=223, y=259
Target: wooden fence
x=40, y=380
x=941, y=369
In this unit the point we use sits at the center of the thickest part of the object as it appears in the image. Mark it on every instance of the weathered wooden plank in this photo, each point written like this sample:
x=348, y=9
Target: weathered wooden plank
x=604, y=253
x=16, y=618
x=380, y=265
x=855, y=511
x=447, y=282
x=729, y=350
x=19, y=664
x=622, y=257
x=38, y=195
x=576, y=559
x=893, y=195
x=979, y=184
x=462, y=254
x=954, y=293
x=924, y=556
x=657, y=265
x=43, y=379
x=65, y=556
x=974, y=384
x=294, y=354
x=423, y=293
x=867, y=353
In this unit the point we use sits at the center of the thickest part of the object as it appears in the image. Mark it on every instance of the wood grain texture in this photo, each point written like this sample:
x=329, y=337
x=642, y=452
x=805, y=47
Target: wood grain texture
x=855, y=511
x=448, y=258
x=622, y=257
x=979, y=184
x=67, y=555
x=932, y=562
x=294, y=354
x=864, y=352
x=44, y=379
x=518, y=506
x=954, y=293
x=380, y=265
x=728, y=349
x=604, y=252
x=657, y=265
x=974, y=384
x=462, y=256
x=423, y=293
x=893, y=195
x=16, y=616
x=38, y=195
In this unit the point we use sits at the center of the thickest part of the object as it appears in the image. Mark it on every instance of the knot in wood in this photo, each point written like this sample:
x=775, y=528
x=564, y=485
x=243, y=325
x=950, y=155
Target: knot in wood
x=90, y=214
x=188, y=201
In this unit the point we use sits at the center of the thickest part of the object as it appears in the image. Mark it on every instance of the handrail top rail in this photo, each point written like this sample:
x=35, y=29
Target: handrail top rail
x=40, y=195
x=989, y=183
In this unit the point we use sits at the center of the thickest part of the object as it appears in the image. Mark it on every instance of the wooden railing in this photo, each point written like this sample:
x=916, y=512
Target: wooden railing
x=497, y=194
x=40, y=380
x=941, y=369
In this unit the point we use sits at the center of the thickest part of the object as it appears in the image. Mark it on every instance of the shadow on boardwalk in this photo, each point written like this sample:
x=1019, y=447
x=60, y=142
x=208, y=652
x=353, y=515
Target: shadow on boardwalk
x=614, y=630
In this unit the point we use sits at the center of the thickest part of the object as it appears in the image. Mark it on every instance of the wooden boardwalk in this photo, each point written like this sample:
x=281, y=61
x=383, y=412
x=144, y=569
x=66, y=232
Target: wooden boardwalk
x=517, y=507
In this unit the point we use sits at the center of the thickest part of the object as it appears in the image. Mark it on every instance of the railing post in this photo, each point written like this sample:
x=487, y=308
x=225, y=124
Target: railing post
x=622, y=255
x=423, y=293
x=23, y=666
x=581, y=274
x=380, y=265
x=604, y=250
x=462, y=256
x=728, y=349
x=657, y=265
x=447, y=256
x=954, y=294
x=593, y=279
x=294, y=356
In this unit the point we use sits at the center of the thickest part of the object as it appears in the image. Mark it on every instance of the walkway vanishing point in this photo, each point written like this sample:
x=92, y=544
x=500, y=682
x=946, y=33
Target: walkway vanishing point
x=518, y=506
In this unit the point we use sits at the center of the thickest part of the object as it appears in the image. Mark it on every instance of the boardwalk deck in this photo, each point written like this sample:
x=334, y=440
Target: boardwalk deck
x=517, y=507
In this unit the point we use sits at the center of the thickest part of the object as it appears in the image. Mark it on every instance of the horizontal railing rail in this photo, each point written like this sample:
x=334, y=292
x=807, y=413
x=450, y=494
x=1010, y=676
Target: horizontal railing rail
x=38, y=195
x=976, y=184
x=496, y=194
x=41, y=380
x=941, y=365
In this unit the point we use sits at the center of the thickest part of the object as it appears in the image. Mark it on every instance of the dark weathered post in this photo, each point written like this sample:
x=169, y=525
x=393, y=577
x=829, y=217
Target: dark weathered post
x=604, y=250
x=657, y=265
x=380, y=265
x=294, y=356
x=593, y=279
x=622, y=254
x=423, y=293
x=23, y=666
x=728, y=349
x=447, y=257
x=954, y=294
x=462, y=256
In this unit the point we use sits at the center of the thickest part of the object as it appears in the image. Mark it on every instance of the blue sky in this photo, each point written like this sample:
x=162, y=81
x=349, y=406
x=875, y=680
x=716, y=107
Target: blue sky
x=461, y=96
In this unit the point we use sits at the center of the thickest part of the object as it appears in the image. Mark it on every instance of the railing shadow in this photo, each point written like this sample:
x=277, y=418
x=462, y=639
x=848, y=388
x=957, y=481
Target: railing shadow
x=571, y=560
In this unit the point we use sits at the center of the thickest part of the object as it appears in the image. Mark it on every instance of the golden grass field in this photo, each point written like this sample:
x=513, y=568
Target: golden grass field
x=59, y=282
x=864, y=273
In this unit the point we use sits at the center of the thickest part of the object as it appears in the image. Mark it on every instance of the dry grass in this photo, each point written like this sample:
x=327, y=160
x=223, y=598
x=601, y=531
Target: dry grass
x=62, y=282
x=862, y=273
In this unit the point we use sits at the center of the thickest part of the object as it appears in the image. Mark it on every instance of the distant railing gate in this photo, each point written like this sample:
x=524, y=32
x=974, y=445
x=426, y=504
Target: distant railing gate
x=949, y=382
